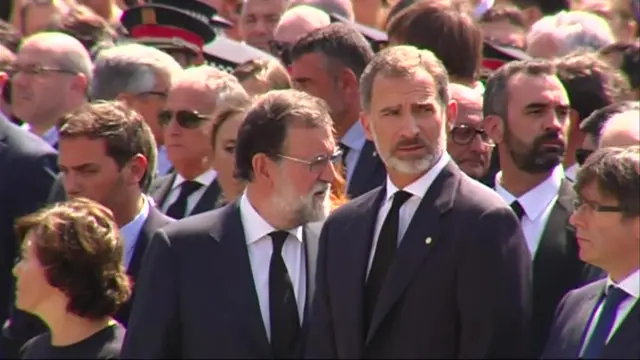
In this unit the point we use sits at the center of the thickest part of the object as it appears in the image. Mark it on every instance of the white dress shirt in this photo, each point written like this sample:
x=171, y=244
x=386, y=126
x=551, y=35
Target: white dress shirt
x=571, y=172
x=537, y=204
x=50, y=136
x=256, y=232
x=354, y=139
x=205, y=179
x=417, y=189
x=631, y=285
x=131, y=231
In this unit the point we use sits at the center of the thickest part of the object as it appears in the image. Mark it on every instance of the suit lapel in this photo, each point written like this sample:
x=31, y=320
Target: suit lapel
x=229, y=233
x=368, y=163
x=155, y=220
x=415, y=246
x=208, y=199
x=162, y=188
x=581, y=320
x=311, y=244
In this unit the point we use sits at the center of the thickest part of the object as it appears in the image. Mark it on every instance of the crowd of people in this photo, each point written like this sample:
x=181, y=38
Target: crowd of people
x=320, y=179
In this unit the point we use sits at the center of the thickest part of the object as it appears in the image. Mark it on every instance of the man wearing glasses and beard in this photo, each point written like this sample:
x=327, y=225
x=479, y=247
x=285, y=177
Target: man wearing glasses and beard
x=237, y=282
x=526, y=111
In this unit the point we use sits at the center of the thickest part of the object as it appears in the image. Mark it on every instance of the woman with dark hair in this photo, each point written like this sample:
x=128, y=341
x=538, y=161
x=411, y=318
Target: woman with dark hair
x=71, y=275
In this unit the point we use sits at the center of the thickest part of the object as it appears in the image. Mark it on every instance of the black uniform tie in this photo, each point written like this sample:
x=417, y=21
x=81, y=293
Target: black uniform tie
x=385, y=252
x=178, y=209
x=283, y=309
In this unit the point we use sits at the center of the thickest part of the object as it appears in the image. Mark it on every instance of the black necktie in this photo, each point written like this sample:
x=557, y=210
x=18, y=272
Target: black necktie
x=614, y=297
x=345, y=151
x=385, y=252
x=178, y=209
x=283, y=310
x=518, y=209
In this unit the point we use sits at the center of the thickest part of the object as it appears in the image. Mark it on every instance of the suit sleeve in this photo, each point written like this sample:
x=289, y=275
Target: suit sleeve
x=494, y=290
x=154, y=329
x=320, y=343
x=554, y=333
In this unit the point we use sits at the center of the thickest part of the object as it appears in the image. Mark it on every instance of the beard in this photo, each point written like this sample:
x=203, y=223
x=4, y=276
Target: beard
x=415, y=164
x=303, y=209
x=535, y=158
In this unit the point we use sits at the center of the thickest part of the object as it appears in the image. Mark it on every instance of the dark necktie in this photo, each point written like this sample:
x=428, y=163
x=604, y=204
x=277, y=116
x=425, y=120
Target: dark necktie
x=385, y=252
x=283, y=310
x=345, y=151
x=178, y=209
x=614, y=297
x=518, y=209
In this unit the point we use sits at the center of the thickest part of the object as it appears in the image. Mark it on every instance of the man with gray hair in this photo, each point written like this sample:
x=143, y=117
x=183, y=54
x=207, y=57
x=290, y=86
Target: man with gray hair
x=141, y=76
x=195, y=98
x=379, y=289
x=51, y=76
x=622, y=130
x=565, y=32
x=295, y=23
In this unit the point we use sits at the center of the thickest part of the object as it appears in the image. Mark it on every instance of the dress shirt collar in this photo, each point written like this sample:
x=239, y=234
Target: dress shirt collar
x=131, y=230
x=631, y=284
x=205, y=179
x=535, y=201
x=354, y=138
x=419, y=187
x=255, y=226
x=571, y=172
x=50, y=136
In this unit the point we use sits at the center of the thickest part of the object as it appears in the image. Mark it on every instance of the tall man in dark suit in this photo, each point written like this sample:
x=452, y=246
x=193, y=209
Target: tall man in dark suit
x=194, y=99
x=526, y=111
x=432, y=264
x=600, y=320
x=327, y=63
x=107, y=154
x=28, y=167
x=237, y=282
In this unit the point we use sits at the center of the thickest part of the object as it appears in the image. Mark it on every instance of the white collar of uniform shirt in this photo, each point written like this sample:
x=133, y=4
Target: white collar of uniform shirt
x=205, y=179
x=419, y=187
x=256, y=227
x=536, y=200
x=131, y=231
x=631, y=284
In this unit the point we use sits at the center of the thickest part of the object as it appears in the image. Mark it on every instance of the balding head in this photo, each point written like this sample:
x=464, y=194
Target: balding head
x=622, y=130
x=299, y=21
x=469, y=104
x=343, y=8
x=61, y=48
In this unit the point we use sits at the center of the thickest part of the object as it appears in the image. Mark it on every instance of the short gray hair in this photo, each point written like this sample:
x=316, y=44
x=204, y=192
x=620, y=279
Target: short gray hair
x=403, y=61
x=223, y=87
x=573, y=30
x=130, y=68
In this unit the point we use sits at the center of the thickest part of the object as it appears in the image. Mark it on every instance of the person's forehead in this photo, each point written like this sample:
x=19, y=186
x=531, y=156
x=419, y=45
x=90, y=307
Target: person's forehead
x=91, y=149
x=262, y=6
x=527, y=88
x=419, y=85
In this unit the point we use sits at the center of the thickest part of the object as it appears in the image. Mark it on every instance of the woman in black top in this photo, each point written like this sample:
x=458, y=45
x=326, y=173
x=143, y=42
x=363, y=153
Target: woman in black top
x=71, y=275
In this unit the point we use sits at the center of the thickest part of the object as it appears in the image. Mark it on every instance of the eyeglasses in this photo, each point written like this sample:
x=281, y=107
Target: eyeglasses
x=464, y=134
x=591, y=205
x=319, y=163
x=187, y=119
x=36, y=70
x=582, y=155
x=162, y=94
x=281, y=50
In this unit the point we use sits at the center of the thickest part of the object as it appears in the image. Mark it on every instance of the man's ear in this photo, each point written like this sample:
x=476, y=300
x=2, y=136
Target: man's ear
x=366, y=125
x=494, y=126
x=452, y=114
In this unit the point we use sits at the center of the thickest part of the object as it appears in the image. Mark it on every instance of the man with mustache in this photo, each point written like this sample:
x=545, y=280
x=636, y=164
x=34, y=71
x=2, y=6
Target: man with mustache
x=468, y=144
x=237, y=282
x=432, y=264
x=526, y=111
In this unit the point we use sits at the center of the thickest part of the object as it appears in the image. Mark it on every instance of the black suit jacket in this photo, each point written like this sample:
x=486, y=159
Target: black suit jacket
x=369, y=172
x=557, y=268
x=572, y=321
x=161, y=187
x=459, y=286
x=24, y=326
x=27, y=169
x=196, y=296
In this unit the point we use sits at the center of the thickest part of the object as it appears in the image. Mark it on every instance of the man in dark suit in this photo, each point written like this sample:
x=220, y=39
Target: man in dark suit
x=114, y=169
x=327, y=63
x=435, y=265
x=28, y=167
x=526, y=111
x=600, y=320
x=193, y=101
x=237, y=282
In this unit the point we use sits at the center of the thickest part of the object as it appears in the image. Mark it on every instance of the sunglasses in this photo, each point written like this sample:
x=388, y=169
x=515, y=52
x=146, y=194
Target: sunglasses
x=281, y=50
x=464, y=135
x=582, y=155
x=187, y=119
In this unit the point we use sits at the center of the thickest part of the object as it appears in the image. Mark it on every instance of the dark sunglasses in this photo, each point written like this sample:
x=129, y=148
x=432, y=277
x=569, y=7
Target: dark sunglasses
x=187, y=119
x=582, y=155
x=464, y=135
x=281, y=50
